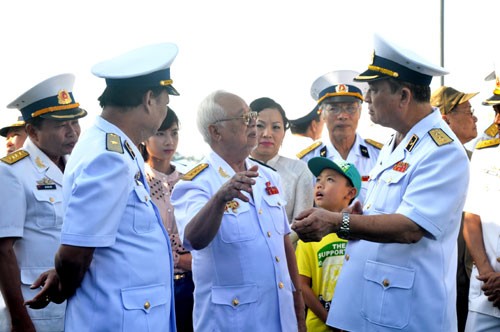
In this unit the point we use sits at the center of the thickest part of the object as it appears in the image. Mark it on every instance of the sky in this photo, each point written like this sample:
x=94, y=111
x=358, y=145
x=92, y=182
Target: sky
x=258, y=48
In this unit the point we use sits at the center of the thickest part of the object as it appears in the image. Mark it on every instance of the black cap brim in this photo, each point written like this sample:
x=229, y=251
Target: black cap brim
x=71, y=114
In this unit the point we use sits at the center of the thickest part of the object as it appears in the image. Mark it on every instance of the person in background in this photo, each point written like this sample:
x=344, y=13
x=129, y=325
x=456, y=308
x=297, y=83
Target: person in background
x=400, y=267
x=272, y=125
x=303, y=130
x=231, y=215
x=456, y=110
x=114, y=264
x=158, y=151
x=31, y=196
x=15, y=135
x=320, y=263
x=482, y=230
x=340, y=99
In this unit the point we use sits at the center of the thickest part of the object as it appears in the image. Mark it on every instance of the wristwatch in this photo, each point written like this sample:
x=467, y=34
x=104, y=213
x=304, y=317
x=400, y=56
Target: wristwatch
x=343, y=232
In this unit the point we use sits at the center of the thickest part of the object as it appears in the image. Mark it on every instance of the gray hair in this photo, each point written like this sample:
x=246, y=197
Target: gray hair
x=209, y=112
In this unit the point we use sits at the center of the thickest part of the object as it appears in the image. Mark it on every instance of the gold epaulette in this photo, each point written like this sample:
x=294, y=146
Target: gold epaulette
x=194, y=172
x=488, y=143
x=440, y=137
x=15, y=156
x=492, y=130
x=310, y=148
x=374, y=143
x=114, y=143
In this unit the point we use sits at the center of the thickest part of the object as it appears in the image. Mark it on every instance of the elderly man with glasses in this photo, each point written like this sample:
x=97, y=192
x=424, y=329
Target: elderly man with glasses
x=340, y=99
x=231, y=216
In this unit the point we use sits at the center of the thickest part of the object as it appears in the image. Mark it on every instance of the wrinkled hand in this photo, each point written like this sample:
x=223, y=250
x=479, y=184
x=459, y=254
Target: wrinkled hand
x=313, y=224
x=356, y=208
x=50, y=292
x=241, y=181
x=491, y=286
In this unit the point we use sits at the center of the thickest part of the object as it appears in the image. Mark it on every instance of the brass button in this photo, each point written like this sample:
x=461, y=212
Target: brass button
x=277, y=259
x=279, y=204
x=281, y=285
x=146, y=198
x=498, y=259
x=268, y=234
x=347, y=257
x=52, y=199
x=260, y=211
x=386, y=283
x=368, y=206
x=147, y=305
x=236, y=302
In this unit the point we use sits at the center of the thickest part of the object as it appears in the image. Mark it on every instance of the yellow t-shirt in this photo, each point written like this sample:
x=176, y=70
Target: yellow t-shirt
x=322, y=262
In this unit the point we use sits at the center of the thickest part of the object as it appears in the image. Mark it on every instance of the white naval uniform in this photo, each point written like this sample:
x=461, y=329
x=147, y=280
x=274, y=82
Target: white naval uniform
x=31, y=196
x=482, y=199
x=241, y=278
x=129, y=284
x=362, y=155
x=408, y=287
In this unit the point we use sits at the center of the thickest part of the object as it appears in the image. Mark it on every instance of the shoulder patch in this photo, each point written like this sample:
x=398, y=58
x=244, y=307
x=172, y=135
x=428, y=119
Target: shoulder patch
x=488, y=143
x=15, y=156
x=492, y=130
x=114, y=143
x=374, y=143
x=194, y=172
x=440, y=137
x=262, y=163
x=310, y=148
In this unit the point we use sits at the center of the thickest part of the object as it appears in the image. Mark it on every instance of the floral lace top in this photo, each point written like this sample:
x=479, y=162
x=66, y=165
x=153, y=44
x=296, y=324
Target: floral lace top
x=161, y=186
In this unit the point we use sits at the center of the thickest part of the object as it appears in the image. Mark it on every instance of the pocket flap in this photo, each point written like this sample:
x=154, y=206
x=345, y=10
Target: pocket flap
x=144, y=298
x=29, y=275
x=392, y=176
x=389, y=276
x=274, y=200
x=235, y=295
x=47, y=196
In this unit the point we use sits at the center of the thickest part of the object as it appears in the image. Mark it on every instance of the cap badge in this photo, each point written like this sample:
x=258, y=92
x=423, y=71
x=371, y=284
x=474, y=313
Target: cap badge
x=401, y=166
x=63, y=97
x=341, y=88
x=233, y=205
x=270, y=189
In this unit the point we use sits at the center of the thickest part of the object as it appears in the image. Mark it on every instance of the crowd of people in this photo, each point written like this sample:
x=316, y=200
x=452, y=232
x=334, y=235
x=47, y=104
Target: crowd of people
x=101, y=231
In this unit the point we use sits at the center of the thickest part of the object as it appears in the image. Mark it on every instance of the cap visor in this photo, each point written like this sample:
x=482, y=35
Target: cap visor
x=369, y=75
x=318, y=164
x=172, y=91
x=71, y=114
x=493, y=100
x=341, y=99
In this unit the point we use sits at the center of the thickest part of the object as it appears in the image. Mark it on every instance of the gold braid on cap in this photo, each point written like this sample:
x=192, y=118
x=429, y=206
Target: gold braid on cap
x=54, y=109
x=383, y=71
x=166, y=82
x=336, y=94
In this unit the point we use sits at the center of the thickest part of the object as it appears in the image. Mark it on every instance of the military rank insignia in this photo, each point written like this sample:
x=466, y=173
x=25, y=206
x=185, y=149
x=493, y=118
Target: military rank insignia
x=223, y=173
x=114, y=143
x=14, y=157
x=45, y=184
x=194, y=172
x=270, y=189
x=401, y=167
x=411, y=143
x=440, y=137
x=232, y=205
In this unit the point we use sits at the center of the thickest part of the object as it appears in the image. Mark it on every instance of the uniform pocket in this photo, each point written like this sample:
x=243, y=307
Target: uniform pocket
x=234, y=306
x=387, y=289
x=48, y=205
x=237, y=223
x=145, y=307
x=275, y=205
x=388, y=191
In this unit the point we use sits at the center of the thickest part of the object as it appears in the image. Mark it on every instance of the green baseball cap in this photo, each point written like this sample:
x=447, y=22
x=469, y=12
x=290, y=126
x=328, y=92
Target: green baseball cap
x=318, y=164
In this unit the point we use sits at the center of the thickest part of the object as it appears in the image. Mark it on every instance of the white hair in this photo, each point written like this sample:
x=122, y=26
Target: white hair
x=209, y=112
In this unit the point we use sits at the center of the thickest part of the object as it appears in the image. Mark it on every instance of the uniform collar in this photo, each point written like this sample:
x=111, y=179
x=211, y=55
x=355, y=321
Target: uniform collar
x=42, y=163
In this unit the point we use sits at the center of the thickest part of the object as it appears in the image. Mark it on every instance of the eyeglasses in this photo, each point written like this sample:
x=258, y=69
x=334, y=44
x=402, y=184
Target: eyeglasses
x=469, y=112
x=338, y=108
x=247, y=117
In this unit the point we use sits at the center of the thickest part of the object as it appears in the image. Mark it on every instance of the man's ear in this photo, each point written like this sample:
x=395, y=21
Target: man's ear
x=148, y=100
x=32, y=132
x=214, y=132
x=405, y=95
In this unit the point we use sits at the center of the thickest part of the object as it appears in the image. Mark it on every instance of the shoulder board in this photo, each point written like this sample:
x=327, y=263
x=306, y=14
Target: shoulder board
x=492, y=130
x=15, y=156
x=374, y=143
x=440, y=137
x=194, y=172
x=114, y=143
x=488, y=143
x=310, y=148
x=262, y=163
